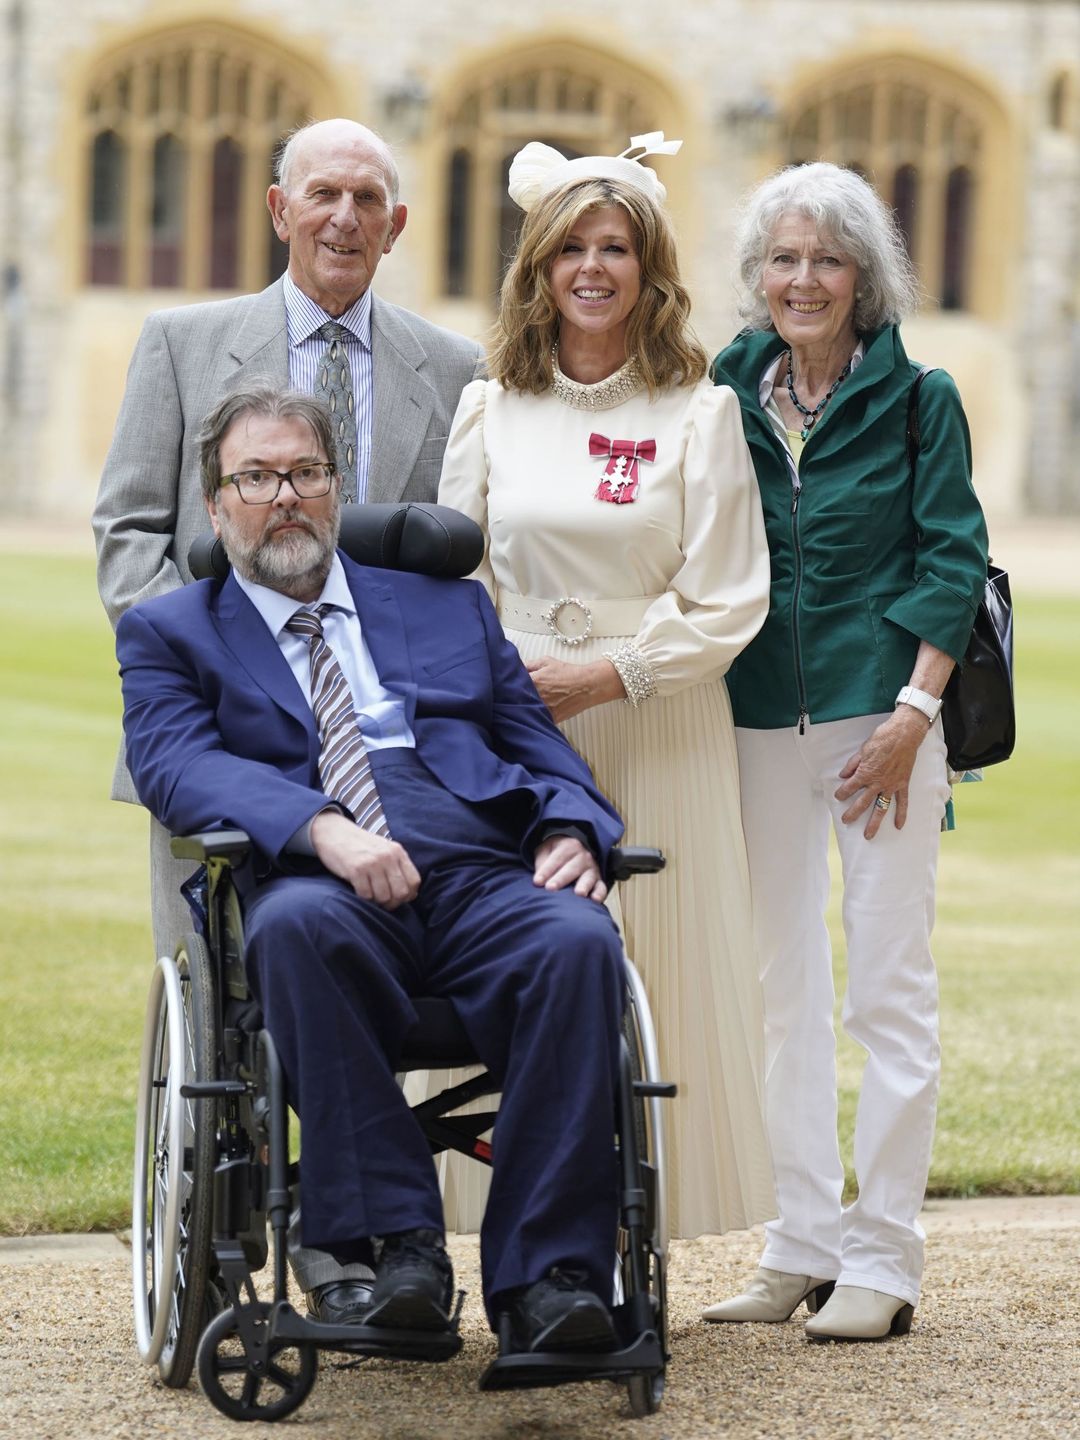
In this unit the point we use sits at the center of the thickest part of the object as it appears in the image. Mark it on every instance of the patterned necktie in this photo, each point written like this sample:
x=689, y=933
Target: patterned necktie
x=334, y=383
x=344, y=767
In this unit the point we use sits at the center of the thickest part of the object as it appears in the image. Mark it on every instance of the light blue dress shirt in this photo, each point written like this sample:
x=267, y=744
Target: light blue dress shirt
x=379, y=712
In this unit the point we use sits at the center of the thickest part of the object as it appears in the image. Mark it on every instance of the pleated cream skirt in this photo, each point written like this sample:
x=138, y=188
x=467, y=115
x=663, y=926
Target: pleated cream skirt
x=669, y=767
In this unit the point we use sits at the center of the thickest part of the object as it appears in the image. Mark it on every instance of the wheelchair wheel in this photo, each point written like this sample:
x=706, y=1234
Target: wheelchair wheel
x=645, y=1391
x=648, y=1113
x=233, y=1384
x=172, y=1206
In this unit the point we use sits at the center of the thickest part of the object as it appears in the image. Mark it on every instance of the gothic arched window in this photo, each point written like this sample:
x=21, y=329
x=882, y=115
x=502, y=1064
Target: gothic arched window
x=957, y=240
x=905, y=201
x=1059, y=101
x=180, y=130
x=227, y=181
x=108, y=164
x=167, y=211
x=458, y=206
x=579, y=103
x=921, y=138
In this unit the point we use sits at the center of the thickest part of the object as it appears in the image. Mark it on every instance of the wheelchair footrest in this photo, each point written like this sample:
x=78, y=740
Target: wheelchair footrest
x=375, y=1341
x=531, y=1369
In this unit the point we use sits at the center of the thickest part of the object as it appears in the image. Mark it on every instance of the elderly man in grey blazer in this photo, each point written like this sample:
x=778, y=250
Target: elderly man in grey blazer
x=391, y=378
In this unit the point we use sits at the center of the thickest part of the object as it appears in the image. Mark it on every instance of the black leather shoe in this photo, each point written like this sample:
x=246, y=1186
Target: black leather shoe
x=414, y=1282
x=340, y=1302
x=560, y=1313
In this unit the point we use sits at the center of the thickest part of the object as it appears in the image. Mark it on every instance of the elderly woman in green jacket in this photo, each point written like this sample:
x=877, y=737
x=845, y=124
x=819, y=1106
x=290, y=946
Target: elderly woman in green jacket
x=877, y=569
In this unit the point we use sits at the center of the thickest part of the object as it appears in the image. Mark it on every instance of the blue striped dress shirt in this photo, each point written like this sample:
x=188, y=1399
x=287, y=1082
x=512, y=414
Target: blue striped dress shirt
x=380, y=713
x=303, y=318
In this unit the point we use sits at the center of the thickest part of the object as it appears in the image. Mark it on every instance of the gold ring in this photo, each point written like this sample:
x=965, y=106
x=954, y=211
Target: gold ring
x=882, y=803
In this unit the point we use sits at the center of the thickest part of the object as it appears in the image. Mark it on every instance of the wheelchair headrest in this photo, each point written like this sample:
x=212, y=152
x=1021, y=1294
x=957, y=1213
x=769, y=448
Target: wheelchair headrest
x=406, y=535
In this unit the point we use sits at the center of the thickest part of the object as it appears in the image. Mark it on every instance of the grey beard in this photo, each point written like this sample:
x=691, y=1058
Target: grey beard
x=295, y=564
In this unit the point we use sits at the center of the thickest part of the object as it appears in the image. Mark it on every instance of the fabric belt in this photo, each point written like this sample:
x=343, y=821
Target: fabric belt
x=571, y=619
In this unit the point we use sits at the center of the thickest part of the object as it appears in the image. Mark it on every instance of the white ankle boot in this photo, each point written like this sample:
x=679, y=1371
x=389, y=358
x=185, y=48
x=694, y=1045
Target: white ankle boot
x=856, y=1314
x=771, y=1296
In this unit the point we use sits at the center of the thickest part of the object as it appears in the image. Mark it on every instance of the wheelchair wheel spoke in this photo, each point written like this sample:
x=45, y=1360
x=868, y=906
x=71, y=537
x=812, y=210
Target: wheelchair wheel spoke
x=231, y=1364
x=249, y=1396
x=161, y=1191
x=285, y=1378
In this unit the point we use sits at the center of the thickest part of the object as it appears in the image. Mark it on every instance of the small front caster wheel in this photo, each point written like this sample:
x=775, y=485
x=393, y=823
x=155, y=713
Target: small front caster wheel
x=645, y=1393
x=264, y=1383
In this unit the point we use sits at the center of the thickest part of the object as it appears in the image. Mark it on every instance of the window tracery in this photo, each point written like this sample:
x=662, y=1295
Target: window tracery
x=179, y=133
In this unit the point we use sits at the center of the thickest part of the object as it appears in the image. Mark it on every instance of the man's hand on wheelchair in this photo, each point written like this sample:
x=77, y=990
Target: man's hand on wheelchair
x=563, y=860
x=378, y=870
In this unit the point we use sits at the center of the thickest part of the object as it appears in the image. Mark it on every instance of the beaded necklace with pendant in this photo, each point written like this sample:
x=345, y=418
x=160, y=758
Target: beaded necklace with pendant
x=811, y=417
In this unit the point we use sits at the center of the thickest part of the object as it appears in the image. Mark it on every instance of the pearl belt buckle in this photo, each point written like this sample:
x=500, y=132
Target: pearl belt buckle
x=574, y=615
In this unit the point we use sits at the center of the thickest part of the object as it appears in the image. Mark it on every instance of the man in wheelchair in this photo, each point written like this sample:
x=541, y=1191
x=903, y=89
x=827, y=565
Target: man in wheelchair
x=419, y=825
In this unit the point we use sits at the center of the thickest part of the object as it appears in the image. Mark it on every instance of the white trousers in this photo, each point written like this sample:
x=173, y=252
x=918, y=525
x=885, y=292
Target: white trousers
x=890, y=1008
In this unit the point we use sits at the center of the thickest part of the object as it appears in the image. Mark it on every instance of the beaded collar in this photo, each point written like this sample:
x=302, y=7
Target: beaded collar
x=626, y=382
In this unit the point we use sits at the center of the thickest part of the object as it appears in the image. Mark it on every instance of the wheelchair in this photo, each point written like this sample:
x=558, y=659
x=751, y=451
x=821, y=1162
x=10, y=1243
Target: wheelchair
x=212, y=1171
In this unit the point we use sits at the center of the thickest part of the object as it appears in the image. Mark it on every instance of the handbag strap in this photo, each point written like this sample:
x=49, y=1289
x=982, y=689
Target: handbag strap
x=913, y=436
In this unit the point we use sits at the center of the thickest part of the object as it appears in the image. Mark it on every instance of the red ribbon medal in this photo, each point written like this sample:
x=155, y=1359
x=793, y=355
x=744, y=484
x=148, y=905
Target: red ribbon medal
x=619, y=483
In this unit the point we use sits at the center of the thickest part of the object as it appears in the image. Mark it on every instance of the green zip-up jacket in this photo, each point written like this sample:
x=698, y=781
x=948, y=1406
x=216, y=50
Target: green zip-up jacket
x=867, y=559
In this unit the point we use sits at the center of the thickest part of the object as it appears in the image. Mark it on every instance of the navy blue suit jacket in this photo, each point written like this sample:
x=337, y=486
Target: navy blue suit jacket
x=219, y=734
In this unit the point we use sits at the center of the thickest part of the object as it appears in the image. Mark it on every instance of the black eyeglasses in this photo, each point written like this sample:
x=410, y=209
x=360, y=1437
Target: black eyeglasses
x=262, y=487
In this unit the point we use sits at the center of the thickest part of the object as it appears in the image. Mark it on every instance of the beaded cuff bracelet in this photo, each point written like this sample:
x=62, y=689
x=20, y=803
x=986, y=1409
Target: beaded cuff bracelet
x=635, y=672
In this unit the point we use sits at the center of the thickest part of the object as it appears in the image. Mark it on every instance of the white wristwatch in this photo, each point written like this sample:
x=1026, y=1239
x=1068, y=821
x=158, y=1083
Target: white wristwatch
x=921, y=700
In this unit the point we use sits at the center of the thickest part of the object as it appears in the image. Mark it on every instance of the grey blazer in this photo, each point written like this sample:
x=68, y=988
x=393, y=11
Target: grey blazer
x=149, y=505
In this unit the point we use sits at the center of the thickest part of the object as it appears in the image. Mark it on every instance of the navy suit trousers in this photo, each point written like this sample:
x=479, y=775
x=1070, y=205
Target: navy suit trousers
x=536, y=977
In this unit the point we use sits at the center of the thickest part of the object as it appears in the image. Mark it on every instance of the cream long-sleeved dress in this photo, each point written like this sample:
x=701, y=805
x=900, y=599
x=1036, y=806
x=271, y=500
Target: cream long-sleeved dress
x=688, y=563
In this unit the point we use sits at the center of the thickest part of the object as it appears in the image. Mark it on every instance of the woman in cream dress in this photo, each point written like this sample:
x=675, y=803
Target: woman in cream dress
x=627, y=559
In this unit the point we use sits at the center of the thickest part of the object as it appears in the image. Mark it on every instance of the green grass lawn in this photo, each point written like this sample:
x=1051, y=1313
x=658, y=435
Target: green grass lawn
x=75, y=951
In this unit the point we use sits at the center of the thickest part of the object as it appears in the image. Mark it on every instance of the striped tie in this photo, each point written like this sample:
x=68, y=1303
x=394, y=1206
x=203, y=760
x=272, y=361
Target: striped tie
x=344, y=767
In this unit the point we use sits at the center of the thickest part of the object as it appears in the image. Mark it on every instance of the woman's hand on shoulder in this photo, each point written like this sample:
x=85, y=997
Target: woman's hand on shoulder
x=883, y=766
x=568, y=689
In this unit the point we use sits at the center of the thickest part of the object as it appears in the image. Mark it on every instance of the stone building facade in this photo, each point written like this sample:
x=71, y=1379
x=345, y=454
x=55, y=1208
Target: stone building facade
x=135, y=138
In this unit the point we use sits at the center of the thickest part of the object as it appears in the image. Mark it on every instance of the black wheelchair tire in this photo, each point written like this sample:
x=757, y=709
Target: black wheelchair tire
x=294, y=1385
x=645, y=1393
x=633, y=1043
x=193, y=1296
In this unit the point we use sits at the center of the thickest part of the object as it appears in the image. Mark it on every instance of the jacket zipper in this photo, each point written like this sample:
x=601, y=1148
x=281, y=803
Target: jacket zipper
x=800, y=679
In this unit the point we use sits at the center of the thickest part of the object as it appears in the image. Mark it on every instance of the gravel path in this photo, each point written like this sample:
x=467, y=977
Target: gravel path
x=994, y=1353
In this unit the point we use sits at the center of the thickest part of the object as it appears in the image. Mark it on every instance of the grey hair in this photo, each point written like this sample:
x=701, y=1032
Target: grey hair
x=285, y=154
x=275, y=402
x=851, y=215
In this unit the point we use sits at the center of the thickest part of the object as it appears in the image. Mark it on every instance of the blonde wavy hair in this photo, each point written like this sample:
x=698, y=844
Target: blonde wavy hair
x=658, y=334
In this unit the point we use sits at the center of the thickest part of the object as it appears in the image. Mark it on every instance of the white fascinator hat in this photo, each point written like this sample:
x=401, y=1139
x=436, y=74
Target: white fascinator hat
x=538, y=169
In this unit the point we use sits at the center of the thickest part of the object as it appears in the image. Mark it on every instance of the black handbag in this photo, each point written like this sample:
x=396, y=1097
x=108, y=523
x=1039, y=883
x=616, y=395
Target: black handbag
x=977, y=712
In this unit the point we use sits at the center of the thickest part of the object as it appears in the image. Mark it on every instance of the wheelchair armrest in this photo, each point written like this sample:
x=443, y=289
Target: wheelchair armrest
x=627, y=860
x=229, y=845
x=233, y=846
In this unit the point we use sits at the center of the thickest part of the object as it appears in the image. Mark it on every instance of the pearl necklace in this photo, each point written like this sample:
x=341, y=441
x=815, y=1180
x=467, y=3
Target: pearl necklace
x=812, y=416
x=604, y=395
